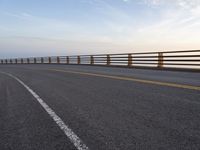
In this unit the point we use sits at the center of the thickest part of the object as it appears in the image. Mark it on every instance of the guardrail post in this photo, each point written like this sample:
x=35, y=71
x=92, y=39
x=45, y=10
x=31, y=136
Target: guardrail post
x=58, y=60
x=11, y=61
x=49, y=60
x=1, y=61
x=160, y=60
x=42, y=60
x=108, y=60
x=67, y=59
x=78, y=60
x=22, y=61
x=15, y=61
x=91, y=60
x=129, y=60
x=35, y=61
x=28, y=61
x=6, y=61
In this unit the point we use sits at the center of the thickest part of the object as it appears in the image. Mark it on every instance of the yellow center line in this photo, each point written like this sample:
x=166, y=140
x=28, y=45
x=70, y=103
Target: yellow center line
x=183, y=86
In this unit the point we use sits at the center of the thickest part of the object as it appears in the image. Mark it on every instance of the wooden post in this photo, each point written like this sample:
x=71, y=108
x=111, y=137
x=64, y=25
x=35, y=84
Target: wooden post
x=1, y=61
x=91, y=60
x=58, y=60
x=78, y=60
x=160, y=60
x=22, y=61
x=49, y=60
x=129, y=60
x=35, y=61
x=28, y=61
x=6, y=61
x=15, y=61
x=67, y=59
x=11, y=61
x=108, y=60
x=42, y=60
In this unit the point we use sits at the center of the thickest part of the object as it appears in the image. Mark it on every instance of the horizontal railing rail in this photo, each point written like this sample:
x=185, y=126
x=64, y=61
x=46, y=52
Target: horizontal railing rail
x=187, y=59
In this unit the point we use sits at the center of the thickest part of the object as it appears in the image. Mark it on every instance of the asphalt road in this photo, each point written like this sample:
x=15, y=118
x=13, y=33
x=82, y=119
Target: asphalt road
x=107, y=108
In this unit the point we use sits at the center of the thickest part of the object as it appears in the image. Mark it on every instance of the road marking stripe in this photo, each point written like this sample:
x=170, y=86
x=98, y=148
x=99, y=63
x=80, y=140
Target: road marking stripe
x=68, y=132
x=132, y=79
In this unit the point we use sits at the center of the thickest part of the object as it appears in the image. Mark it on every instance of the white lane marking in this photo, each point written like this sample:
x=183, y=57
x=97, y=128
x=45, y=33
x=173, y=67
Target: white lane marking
x=68, y=132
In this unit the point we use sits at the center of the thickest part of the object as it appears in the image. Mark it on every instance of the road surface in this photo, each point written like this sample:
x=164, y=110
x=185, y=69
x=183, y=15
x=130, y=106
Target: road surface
x=99, y=108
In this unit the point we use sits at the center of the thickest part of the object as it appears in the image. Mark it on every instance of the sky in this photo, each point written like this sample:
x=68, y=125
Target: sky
x=73, y=27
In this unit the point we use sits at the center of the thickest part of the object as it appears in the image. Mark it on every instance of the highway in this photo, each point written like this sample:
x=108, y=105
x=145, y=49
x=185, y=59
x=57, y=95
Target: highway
x=77, y=107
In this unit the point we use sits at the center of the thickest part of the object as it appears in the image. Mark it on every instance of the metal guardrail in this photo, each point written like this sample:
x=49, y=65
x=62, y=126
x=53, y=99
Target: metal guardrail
x=189, y=59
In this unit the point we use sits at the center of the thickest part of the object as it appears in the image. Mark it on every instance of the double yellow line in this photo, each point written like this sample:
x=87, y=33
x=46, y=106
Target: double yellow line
x=130, y=79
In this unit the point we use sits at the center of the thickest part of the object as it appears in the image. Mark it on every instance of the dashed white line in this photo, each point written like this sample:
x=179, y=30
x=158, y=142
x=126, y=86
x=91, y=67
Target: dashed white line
x=68, y=132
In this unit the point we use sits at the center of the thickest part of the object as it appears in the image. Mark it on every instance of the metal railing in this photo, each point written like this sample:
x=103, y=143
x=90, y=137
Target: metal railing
x=189, y=59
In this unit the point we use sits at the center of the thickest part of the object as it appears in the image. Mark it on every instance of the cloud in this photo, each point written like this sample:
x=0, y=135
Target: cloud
x=181, y=13
x=187, y=4
x=22, y=15
x=153, y=2
x=126, y=0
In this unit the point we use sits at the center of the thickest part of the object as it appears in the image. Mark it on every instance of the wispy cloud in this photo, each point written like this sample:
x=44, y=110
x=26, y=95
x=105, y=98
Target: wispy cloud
x=187, y=4
x=22, y=15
